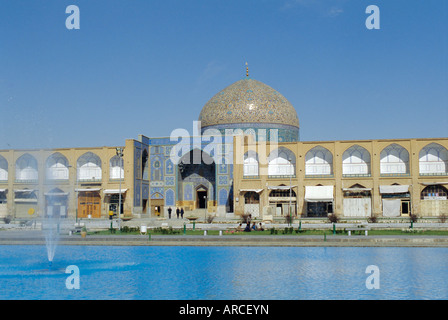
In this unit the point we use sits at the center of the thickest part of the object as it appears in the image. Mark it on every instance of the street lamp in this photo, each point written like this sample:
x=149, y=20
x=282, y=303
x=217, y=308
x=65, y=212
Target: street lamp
x=205, y=202
x=119, y=152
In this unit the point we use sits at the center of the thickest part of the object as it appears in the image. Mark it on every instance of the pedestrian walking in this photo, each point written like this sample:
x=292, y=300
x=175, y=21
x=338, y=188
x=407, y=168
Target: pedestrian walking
x=169, y=212
x=182, y=213
x=177, y=212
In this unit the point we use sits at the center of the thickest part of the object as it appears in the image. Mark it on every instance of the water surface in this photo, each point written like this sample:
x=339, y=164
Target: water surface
x=179, y=273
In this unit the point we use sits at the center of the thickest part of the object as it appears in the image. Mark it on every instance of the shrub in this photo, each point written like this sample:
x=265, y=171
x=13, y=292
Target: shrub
x=333, y=218
x=289, y=219
x=127, y=229
x=442, y=218
x=169, y=230
x=298, y=230
x=413, y=217
x=210, y=218
x=372, y=219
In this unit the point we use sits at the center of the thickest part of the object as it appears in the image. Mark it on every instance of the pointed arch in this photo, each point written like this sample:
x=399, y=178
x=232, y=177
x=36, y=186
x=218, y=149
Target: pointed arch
x=197, y=167
x=3, y=169
x=319, y=161
x=116, y=170
x=56, y=167
x=433, y=160
x=394, y=160
x=357, y=186
x=281, y=162
x=144, y=165
x=89, y=167
x=26, y=168
x=356, y=161
x=250, y=164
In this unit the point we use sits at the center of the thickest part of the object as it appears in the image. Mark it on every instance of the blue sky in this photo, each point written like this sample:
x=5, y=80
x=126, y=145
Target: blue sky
x=148, y=67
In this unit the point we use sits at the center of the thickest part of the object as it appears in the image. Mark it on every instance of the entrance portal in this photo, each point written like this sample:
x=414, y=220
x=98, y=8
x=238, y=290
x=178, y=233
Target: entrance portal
x=201, y=198
x=196, y=180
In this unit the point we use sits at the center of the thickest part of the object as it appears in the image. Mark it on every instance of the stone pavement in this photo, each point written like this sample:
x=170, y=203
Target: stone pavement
x=37, y=237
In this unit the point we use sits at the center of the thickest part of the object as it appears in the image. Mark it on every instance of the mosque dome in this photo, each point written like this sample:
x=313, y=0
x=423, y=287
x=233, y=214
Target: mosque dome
x=246, y=102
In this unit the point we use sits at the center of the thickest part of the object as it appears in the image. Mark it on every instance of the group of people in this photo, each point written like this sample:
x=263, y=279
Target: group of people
x=179, y=212
x=250, y=228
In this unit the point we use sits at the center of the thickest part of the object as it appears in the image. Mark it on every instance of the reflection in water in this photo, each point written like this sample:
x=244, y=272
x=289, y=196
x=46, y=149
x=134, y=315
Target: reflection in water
x=224, y=273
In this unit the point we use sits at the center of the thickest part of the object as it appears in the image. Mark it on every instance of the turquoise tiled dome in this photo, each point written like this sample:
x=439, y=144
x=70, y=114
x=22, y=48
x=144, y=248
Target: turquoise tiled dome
x=248, y=101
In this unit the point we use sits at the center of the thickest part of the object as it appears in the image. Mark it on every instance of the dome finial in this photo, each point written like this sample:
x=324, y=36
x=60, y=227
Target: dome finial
x=247, y=70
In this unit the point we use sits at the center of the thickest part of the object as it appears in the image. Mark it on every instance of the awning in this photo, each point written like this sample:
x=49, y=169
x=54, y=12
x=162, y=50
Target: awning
x=114, y=191
x=356, y=189
x=394, y=189
x=87, y=190
x=318, y=193
x=281, y=187
x=3, y=190
x=251, y=190
x=25, y=200
x=56, y=194
x=24, y=190
x=423, y=183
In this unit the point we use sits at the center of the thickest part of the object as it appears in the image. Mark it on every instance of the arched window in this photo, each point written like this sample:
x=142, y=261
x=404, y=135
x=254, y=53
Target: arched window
x=3, y=169
x=26, y=168
x=250, y=167
x=116, y=168
x=434, y=192
x=394, y=159
x=89, y=167
x=57, y=167
x=356, y=161
x=318, y=161
x=433, y=160
x=281, y=162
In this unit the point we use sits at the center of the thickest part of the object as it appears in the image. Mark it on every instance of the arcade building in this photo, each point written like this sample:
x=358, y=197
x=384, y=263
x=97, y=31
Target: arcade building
x=243, y=156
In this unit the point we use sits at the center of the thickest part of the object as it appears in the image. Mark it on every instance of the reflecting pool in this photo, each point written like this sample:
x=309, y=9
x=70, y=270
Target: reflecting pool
x=218, y=273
